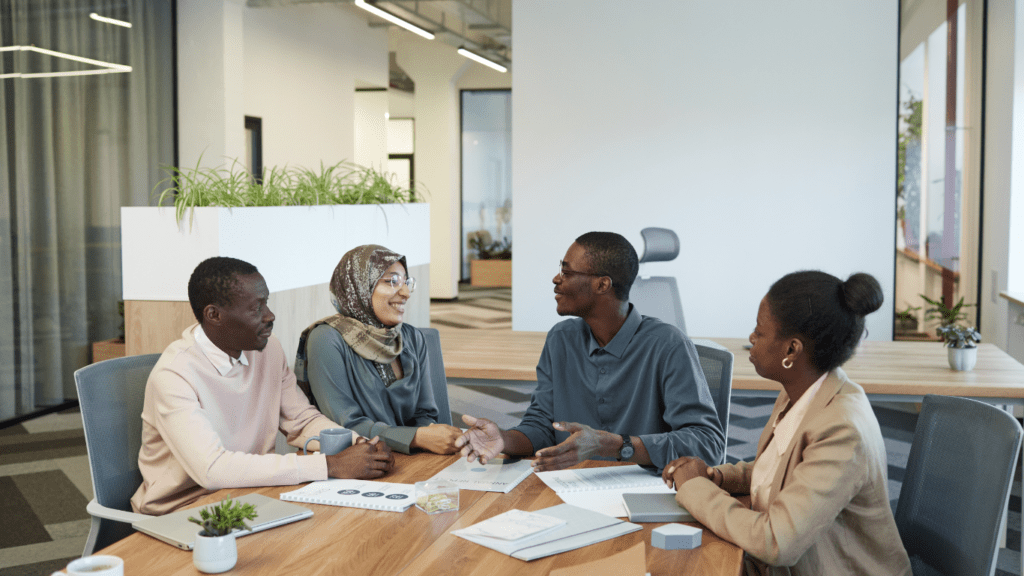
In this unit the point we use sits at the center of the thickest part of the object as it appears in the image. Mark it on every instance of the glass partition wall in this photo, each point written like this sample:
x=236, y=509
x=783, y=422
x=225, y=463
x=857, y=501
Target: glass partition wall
x=87, y=98
x=486, y=172
x=939, y=175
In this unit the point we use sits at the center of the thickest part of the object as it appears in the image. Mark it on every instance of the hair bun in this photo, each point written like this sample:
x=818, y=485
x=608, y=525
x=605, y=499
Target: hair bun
x=862, y=294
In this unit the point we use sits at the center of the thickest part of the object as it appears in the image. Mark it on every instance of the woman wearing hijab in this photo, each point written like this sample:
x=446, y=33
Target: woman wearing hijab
x=365, y=368
x=819, y=503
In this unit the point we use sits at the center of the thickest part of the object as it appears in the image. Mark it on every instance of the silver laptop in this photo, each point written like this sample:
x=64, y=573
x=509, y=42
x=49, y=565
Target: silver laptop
x=175, y=529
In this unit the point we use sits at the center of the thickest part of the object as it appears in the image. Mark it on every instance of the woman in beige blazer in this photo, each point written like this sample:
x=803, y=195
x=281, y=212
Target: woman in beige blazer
x=817, y=488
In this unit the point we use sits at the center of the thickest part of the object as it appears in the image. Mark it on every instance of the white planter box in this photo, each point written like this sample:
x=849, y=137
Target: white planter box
x=295, y=248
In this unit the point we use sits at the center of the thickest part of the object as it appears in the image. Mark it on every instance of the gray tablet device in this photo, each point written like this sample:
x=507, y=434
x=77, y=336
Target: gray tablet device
x=655, y=508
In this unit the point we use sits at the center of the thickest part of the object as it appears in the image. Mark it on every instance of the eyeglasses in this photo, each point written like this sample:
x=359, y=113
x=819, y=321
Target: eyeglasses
x=564, y=272
x=397, y=280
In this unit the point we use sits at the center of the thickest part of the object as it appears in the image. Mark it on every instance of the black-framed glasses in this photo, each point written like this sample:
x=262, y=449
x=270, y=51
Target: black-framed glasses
x=564, y=272
x=396, y=281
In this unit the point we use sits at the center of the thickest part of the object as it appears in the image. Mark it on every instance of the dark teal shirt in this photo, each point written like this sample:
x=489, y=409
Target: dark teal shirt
x=349, y=391
x=646, y=382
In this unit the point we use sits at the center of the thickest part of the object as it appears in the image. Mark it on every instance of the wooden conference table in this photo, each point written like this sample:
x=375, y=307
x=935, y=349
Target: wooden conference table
x=338, y=540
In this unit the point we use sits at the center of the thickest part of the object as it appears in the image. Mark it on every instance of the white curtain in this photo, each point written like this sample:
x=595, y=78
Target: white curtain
x=75, y=150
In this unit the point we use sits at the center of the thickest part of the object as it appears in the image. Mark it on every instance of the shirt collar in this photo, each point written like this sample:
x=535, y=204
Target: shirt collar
x=787, y=427
x=617, y=347
x=219, y=358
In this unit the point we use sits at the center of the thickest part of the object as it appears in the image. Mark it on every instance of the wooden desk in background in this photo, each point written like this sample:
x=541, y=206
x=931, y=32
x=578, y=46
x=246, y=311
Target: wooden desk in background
x=892, y=371
x=338, y=540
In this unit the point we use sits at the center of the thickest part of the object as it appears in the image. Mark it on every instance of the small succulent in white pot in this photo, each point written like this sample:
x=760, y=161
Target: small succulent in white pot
x=215, y=549
x=962, y=344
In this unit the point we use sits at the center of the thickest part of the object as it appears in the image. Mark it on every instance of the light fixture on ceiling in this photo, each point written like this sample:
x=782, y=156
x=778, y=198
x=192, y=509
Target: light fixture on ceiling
x=478, y=58
x=99, y=18
x=393, y=19
x=105, y=67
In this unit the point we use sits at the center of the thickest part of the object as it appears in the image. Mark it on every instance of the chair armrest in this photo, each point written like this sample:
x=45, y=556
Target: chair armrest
x=98, y=510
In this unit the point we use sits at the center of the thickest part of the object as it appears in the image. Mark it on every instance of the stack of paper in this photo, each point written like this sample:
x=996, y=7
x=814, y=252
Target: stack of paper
x=569, y=528
x=601, y=489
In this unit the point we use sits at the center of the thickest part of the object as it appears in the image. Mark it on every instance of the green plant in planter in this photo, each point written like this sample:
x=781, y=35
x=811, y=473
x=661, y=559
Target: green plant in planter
x=956, y=336
x=221, y=519
x=233, y=186
x=480, y=242
x=906, y=320
x=947, y=316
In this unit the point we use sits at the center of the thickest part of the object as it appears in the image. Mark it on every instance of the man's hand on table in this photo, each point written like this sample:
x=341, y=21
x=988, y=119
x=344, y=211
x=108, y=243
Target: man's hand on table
x=682, y=469
x=481, y=441
x=582, y=444
x=363, y=460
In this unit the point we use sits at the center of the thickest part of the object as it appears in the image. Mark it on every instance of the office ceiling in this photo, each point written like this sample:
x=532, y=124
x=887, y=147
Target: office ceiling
x=483, y=26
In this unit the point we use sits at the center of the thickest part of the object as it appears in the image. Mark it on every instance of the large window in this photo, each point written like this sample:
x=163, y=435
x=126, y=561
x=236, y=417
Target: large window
x=486, y=168
x=938, y=186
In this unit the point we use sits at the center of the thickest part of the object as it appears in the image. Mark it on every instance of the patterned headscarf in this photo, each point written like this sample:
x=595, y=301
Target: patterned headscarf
x=352, y=285
x=355, y=279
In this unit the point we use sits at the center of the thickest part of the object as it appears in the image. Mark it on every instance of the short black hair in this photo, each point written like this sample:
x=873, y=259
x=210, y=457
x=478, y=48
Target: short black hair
x=610, y=254
x=213, y=281
x=827, y=312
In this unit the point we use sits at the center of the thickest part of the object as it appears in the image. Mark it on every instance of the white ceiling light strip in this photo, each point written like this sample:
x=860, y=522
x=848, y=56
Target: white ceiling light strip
x=105, y=67
x=478, y=58
x=394, y=19
x=99, y=18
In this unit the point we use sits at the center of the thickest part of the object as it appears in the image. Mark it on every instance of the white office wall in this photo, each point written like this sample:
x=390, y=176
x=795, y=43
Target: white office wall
x=371, y=129
x=439, y=73
x=295, y=67
x=1015, y=274
x=999, y=158
x=763, y=133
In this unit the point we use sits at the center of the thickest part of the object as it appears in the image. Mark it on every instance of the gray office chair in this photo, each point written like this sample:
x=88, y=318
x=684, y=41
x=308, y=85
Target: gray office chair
x=438, y=379
x=111, y=394
x=716, y=361
x=658, y=296
x=957, y=486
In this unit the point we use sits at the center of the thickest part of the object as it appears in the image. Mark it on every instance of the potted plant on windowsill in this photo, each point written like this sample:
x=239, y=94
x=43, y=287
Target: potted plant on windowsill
x=215, y=548
x=962, y=345
x=492, y=266
x=906, y=320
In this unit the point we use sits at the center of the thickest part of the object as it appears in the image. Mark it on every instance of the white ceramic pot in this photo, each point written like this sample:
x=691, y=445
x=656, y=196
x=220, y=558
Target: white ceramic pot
x=962, y=359
x=216, y=554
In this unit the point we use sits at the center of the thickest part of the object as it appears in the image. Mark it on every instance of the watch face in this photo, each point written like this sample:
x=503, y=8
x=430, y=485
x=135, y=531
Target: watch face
x=626, y=452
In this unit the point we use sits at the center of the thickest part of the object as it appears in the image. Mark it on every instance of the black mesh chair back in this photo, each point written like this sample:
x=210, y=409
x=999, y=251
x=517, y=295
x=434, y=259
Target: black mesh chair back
x=438, y=379
x=957, y=486
x=111, y=395
x=716, y=361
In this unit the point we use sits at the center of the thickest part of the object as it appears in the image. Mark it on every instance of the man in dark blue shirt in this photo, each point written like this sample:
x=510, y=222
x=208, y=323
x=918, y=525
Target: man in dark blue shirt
x=611, y=384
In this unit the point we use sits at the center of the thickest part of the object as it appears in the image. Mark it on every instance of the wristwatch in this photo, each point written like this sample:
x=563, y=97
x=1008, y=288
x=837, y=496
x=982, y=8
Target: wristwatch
x=626, y=452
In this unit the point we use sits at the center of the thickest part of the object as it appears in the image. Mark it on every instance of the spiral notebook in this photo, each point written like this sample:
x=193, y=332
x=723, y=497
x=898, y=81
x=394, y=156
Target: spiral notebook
x=607, y=478
x=387, y=496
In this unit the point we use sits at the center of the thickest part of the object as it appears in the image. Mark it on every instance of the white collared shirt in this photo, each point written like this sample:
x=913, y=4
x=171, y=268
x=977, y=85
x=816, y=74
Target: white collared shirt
x=767, y=464
x=219, y=358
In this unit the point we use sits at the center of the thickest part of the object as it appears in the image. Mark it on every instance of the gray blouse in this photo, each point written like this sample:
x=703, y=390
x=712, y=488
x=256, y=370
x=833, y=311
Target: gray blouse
x=350, y=392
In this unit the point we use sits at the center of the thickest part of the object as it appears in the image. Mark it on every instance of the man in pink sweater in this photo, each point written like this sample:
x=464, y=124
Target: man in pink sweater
x=217, y=397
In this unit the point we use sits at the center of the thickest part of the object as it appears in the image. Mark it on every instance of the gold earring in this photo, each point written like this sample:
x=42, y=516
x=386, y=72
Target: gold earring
x=787, y=366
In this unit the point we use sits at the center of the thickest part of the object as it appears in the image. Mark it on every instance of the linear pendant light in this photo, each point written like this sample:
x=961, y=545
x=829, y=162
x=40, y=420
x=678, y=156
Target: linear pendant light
x=99, y=18
x=393, y=19
x=478, y=58
x=105, y=67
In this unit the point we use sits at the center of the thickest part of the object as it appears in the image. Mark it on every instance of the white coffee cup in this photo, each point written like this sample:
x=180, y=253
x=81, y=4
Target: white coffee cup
x=96, y=566
x=332, y=440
